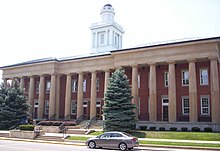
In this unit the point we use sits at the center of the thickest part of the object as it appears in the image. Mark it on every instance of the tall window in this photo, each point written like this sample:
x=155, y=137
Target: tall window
x=97, y=84
x=185, y=78
x=166, y=79
x=74, y=85
x=205, y=105
x=204, y=80
x=185, y=105
x=37, y=86
x=47, y=86
x=73, y=107
x=102, y=37
x=46, y=107
x=84, y=85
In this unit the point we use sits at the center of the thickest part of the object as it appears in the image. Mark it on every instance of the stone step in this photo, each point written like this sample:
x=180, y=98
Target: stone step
x=49, y=138
x=4, y=134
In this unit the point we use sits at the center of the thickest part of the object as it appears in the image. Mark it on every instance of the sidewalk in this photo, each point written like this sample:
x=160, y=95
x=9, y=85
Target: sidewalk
x=82, y=143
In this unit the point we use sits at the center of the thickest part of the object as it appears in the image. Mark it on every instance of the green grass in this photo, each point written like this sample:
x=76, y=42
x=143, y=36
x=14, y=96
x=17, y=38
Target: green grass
x=179, y=144
x=204, y=136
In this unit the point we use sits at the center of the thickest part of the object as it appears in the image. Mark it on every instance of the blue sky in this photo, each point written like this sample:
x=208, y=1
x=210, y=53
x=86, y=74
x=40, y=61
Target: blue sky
x=31, y=29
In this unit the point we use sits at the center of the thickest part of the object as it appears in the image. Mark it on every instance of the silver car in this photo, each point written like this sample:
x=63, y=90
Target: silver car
x=120, y=140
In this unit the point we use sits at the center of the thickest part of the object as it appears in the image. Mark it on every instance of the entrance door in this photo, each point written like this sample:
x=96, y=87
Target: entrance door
x=165, y=109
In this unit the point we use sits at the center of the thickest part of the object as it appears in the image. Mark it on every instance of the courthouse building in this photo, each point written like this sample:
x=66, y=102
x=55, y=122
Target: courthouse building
x=173, y=83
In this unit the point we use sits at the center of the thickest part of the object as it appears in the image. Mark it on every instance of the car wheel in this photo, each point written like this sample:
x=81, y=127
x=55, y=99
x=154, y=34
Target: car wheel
x=92, y=144
x=122, y=146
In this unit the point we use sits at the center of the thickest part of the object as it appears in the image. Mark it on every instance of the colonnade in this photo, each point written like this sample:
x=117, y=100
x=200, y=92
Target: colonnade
x=193, y=114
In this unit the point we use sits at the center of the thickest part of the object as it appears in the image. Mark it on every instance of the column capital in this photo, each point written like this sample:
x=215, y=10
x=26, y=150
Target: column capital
x=152, y=63
x=171, y=62
x=213, y=58
x=191, y=60
x=93, y=71
x=134, y=65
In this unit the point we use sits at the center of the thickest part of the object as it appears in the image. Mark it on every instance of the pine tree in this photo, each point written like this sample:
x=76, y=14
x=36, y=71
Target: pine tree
x=118, y=110
x=13, y=106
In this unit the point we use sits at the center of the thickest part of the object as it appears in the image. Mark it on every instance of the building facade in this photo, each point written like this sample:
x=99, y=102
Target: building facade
x=173, y=84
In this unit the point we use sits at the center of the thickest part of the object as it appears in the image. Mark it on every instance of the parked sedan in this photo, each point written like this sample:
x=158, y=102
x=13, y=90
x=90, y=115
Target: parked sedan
x=120, y=140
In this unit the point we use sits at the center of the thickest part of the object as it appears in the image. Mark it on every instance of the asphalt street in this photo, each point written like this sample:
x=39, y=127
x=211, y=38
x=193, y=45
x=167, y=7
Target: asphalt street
x=9, y=145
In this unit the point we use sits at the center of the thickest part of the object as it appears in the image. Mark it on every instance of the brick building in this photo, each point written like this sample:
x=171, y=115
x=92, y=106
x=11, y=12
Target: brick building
x=173, y=83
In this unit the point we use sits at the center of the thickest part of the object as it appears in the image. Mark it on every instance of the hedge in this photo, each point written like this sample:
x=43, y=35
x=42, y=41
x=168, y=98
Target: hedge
x=26, y=127
x=143, y=128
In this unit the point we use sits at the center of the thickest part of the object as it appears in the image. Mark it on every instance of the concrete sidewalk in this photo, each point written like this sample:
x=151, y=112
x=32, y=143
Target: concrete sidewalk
x=82, y=143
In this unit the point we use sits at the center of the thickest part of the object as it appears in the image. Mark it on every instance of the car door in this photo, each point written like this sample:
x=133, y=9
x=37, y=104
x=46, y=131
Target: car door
x=115, y=139
x=103, y=140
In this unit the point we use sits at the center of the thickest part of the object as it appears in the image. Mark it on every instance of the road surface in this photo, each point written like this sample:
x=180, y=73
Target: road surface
x=9, y=145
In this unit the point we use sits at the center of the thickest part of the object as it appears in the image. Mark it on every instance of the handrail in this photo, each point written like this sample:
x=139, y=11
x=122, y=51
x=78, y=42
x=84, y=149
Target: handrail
x=52, y=117
x=90, y=123
x=79, y=119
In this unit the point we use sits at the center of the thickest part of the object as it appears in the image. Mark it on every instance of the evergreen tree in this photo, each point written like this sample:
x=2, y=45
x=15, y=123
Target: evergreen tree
x=118, y=110
x=13, y=106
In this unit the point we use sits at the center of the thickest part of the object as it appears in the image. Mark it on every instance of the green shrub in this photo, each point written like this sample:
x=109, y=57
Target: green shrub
x=26, y=127
x=184, y=129
x=208, y=129
x=173, y=129
x=196, y=129
x=153, y=128
x=143, y=128
x=161, y=128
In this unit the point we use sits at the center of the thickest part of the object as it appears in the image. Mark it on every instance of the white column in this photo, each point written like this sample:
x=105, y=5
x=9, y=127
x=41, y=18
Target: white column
x=58, y=97
x=215, y=100
x=31, y=94
x=52, y=101
x=107, y=75
x=172, y=92
x=93, y=96
x=193, y=112
x=80, y=96
x=41, y=97
x=22, y=83
x=68, y=97
x=153, y=94
x=134, y=90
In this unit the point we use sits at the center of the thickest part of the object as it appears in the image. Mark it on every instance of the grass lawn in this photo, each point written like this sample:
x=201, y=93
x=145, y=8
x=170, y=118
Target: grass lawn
x=204, y=136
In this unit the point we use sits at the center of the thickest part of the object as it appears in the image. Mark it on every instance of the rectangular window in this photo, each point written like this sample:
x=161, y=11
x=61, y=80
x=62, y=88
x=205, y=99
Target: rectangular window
x=48, y=87
x=166, y=79
x=204, y=80
x=85, y=104
x=84, y=85
x=37, y=86
x=185, y=105
x=73, y=107
x=102, y=37
x=205, y=105
x=36, y=104
x=97, y=84
x=46, y=107
x=185, y=78
x=74, y=85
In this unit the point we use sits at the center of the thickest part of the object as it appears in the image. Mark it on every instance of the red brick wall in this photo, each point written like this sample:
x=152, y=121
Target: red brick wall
x=181, y=91
x=144, y=93
x=162, y=91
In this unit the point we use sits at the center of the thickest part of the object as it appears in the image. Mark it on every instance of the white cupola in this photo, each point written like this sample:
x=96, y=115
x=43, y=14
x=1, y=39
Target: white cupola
x=107, y=34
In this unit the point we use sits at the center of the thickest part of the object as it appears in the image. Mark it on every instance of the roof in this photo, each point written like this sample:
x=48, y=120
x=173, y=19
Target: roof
x=149, y=45
x=164, y=43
